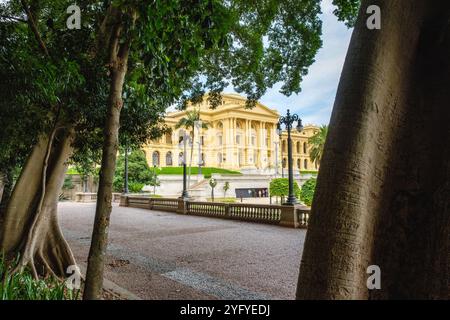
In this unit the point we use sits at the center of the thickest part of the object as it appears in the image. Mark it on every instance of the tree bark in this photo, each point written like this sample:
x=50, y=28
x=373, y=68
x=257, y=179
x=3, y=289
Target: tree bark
x=382, y=191
x=118, y=67
x=30, y=224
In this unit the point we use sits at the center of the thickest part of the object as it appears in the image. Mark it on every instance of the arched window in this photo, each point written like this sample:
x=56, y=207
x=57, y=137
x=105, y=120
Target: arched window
x=305, y=164
x=283, y=146
x=169, y=159
x=219, y=158
x=155, y=158
x=180, y=159
x=304, y=148
x=298, y=148
x=284, y=162
x=169, y=137
x=298, y=163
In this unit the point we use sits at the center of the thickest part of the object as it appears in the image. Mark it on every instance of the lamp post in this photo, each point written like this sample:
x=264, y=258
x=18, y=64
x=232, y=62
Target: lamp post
x=288, y=121
x=183, y=143
x=212, y=184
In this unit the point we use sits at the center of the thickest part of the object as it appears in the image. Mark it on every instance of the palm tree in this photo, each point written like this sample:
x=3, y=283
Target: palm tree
x=317, y=143
x=188, y=123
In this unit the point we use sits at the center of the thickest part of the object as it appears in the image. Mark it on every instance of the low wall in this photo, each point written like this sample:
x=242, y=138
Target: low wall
x=92, y=197
x=288, y=216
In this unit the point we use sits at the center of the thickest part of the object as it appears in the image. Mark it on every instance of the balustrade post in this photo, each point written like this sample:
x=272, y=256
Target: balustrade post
x=227, y=211
x=289, y=217
x=182, y=206
x=123, y=201
x=150, y=204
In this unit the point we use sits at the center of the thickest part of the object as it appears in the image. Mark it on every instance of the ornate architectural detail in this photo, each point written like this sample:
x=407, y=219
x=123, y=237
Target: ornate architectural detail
x=237, y=138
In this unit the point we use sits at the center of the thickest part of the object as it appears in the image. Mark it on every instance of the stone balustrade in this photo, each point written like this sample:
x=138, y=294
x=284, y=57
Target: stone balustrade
x=288, y=216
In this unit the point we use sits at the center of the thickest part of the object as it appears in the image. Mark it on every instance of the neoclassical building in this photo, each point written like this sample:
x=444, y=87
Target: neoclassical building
x=237, y=139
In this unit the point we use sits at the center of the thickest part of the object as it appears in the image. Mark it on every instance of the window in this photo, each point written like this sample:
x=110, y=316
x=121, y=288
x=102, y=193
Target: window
x=298, y=148
x=168, y=137
x=180, y=159
x=298, y=163
x=169, y=159
x=155, y=158
x=304, y=148
x=305, y=164
x=253, y=140
x=219, y=158
x=202, y=140
x=238, y=139
x=219, y=139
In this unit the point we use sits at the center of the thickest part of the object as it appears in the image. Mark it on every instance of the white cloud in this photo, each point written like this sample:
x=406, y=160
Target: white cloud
x=314, y=104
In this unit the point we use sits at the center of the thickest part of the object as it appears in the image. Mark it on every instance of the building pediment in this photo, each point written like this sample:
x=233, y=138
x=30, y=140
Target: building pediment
x=231, y=104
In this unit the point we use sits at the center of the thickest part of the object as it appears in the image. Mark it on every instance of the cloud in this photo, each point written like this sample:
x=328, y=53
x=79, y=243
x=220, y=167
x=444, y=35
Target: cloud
x=314, y=104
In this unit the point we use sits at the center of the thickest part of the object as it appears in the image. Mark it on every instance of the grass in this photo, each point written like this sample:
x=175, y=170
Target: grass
x=223, y=200
x=22, y=286
x=206, y=171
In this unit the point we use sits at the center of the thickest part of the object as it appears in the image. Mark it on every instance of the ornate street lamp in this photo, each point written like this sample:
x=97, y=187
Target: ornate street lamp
x=212, y=184
x=288, y=121
x=185, y=137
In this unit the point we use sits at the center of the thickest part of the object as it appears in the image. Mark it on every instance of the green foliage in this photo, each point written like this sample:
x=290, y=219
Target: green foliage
x=280, y=187
x=139, y=172
x=347, y=11
x=22, y=286
x=307, y=192
x=135, y=187
x=206, y=171
x=223, y=200
x=317, y=143
x=68, y=183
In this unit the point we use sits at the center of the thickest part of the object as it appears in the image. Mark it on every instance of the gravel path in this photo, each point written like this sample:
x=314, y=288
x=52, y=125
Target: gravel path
x=158, y=255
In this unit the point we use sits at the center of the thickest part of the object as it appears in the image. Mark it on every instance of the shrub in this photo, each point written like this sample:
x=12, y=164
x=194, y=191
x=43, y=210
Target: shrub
x=307, y=192
x=135, y=187
x=280, y=188
x=22, y=286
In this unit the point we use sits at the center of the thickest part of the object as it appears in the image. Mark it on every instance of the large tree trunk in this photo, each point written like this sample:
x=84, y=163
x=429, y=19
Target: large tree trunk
x=30, y=224
x=382, y=195
x=118, y=66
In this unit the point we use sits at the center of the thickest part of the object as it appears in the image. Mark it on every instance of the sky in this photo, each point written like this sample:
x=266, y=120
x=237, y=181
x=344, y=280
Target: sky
x=315, y=102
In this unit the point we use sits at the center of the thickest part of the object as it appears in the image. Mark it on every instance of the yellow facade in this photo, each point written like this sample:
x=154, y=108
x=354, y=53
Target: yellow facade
x=237, y=139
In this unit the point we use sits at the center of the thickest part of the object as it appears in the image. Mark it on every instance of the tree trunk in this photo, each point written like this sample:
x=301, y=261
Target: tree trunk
x=95, y=269
x=30, y=223
x=382, y=194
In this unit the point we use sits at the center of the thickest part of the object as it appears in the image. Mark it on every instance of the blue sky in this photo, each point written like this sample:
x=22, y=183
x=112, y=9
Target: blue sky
x=315, y=102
